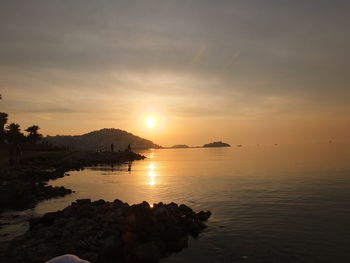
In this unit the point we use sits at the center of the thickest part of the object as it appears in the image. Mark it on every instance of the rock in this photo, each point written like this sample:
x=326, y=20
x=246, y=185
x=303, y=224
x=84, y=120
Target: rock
x=195, y=228
x=173, y=206
x=100, y=202
x=158, y=205
x=147, y=252
x=145, y=205
x=108, y=243
x=92, y=257
x=83, y=201
x=160, y=211
x=118, y=203
x=180, y=243
x=103, y=232
x=203, y=216
x=173, y=233
x=185, y=209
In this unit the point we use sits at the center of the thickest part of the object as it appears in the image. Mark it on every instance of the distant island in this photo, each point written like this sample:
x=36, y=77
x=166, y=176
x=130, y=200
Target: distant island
x=216, y=144
x=208, y=145
x=102, y=140
x=177, y=146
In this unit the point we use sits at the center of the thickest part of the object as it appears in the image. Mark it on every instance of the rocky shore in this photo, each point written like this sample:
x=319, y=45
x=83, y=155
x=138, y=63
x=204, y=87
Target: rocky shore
x=24, y=185
x=106, y=232
x=79, y=160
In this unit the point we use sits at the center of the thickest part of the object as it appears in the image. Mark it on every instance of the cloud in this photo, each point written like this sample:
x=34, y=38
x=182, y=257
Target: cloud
x=198, y=54
x=194, y=58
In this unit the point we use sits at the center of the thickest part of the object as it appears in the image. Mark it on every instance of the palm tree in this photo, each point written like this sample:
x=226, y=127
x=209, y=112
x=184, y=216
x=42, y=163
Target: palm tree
x=3, y=121
x=13, y=133
x=33, y=136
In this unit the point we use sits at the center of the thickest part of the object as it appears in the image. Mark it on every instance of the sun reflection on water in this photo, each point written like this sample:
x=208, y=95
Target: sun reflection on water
x=151, y=174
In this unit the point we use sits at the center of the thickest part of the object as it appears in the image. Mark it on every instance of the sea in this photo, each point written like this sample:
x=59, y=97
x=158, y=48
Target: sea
x=269, y=203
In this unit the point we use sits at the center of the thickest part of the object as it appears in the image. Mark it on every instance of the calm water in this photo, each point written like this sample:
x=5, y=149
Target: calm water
x=269, y=203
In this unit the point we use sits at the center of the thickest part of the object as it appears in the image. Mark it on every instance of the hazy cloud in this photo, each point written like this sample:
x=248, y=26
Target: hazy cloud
x=206, y=58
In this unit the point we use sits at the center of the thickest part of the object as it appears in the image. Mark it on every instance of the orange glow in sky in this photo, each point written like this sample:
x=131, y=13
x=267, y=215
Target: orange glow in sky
x=255, y=76
x=151, y=122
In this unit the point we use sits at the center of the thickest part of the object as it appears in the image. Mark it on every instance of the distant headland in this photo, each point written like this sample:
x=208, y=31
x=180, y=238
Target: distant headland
x=207, y=145
x=101, y=140
x=177, y=146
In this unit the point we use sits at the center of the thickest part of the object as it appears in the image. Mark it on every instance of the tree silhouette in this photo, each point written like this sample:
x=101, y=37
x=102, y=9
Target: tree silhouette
x=3, y=121
x=13, y=133
x=34, y=136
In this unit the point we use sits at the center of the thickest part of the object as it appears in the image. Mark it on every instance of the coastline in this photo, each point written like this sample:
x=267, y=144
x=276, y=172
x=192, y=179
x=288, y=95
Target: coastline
x=25, y=184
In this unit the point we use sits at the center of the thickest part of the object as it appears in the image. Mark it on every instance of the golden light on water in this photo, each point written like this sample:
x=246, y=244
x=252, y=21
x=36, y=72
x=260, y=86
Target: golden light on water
x=151, y=174
x=151, y=155
x=151, y=166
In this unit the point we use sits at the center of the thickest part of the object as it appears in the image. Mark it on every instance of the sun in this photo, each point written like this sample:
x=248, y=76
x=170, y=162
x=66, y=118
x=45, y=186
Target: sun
x=151, y=122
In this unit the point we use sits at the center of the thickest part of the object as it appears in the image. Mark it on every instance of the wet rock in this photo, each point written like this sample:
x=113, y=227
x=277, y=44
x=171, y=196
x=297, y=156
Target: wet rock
x=195, y=228
x=203, y=216
x=185, y=209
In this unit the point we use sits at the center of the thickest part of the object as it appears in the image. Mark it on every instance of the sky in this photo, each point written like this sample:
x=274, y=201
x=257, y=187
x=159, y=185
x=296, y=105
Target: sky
x=244, y=72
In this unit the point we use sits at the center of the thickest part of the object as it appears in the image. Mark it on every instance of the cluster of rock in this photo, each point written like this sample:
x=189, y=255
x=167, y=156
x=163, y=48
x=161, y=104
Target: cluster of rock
x=105, y=232
x=23, y=186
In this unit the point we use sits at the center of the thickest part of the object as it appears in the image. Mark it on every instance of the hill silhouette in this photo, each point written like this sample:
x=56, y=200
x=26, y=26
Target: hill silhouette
x=102, y=140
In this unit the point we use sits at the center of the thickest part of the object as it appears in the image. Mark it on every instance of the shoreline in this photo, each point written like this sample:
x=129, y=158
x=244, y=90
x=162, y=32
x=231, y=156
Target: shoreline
x=24, y=185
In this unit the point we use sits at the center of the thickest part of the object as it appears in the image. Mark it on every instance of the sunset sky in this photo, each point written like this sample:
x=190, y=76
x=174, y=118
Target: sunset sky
x=244, y=72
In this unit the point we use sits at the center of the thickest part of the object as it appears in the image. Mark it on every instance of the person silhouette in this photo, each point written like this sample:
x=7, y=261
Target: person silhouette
x=18, y=153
